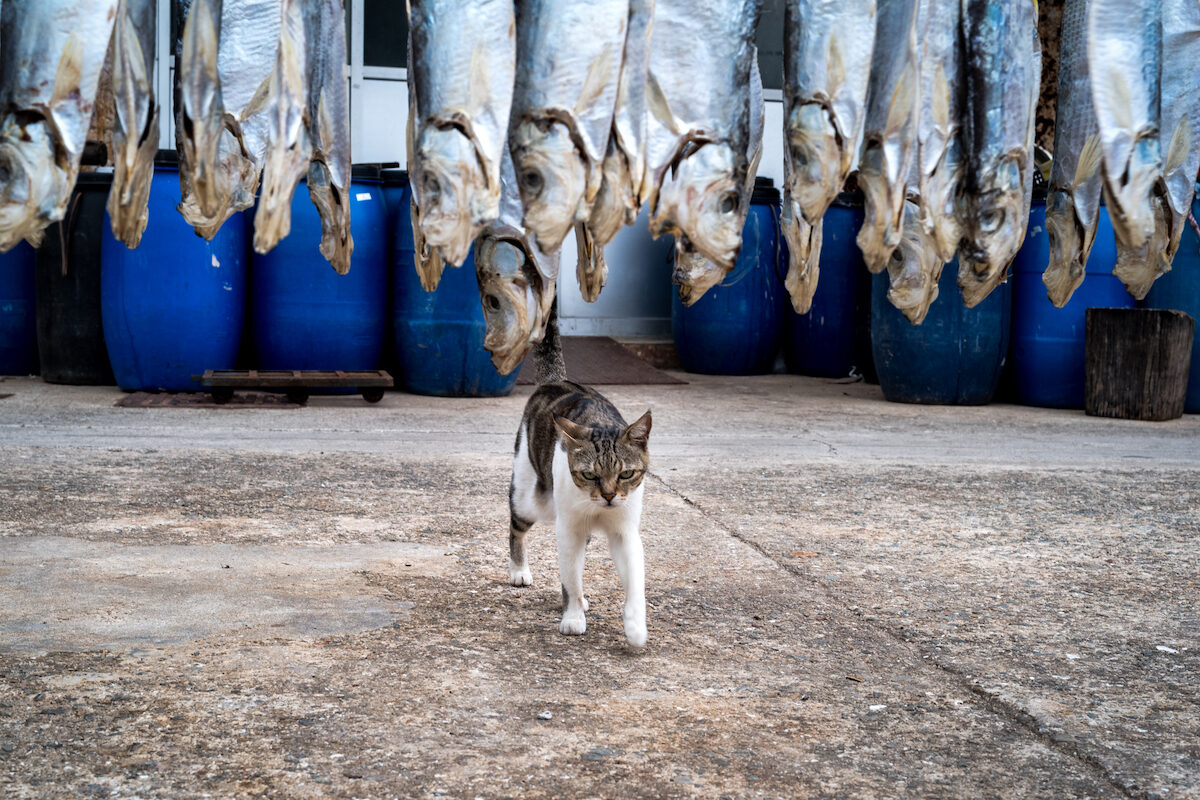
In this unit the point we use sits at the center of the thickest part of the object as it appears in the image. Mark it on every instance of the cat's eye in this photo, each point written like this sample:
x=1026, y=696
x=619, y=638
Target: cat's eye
x=588, y=476
x=627, y=474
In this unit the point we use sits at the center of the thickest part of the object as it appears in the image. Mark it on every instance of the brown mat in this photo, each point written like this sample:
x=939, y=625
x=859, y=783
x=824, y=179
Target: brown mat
x=594, y=360
x=203, y=400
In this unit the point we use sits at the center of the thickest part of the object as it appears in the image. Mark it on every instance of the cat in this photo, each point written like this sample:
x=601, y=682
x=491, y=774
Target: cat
x=578, y=465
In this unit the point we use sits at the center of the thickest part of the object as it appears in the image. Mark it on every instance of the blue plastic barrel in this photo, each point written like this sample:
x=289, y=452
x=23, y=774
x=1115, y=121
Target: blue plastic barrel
x=18, y=311
x=306, y=316
x=954, y=357
x=1180, y=289
x=439, y=335
x=833, y=338
x=173, y=307
x=735, y=327
x=1048, y=342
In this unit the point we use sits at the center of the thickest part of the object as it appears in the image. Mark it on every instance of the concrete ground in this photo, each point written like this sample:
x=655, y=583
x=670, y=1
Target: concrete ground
x=848, y=598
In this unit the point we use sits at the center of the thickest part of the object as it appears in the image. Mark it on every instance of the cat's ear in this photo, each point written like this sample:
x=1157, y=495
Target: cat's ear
x=639, y=432
x=574, y=433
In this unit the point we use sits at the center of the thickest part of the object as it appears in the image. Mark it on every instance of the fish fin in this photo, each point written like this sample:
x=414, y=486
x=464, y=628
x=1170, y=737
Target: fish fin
x=478, y=89
x=1122, y=102
x=70, y=71
x=659, y=107
x=904, y=97
x=599, y=76
x=1181, y=145
x=940, y=102
x=1090, y=158
x=835, y=66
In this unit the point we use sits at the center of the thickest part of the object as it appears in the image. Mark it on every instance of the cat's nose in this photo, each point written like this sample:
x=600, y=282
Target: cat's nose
x=608, y=496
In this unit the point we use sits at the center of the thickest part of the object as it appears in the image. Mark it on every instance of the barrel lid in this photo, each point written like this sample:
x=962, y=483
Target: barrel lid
x=95, y=178
x=395, y=176
x=166, y=158
x=764, y=191
x=365, y=172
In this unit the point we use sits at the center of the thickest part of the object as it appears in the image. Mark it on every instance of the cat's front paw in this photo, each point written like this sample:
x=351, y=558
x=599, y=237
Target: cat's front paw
x=520, y=576
x=572, y=625
x=635, y=633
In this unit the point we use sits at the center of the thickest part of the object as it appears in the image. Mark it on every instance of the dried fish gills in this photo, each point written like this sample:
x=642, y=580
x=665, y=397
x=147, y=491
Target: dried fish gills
x=1073, y=201
x=1002, y=68
x=618, y=199
x=827, y=62
x=890, y=130
x=463, y=61
x=133, y=135
x=698, y=172
x=1124, y=49
x=50, y=63
x=517, y=281
x=1179, y=141
x=329, y=133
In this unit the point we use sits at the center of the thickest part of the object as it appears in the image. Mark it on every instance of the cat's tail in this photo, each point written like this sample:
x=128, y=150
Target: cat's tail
x=547, y=354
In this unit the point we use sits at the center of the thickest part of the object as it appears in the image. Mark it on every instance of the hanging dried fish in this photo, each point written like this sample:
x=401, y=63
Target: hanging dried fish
x=133, y=135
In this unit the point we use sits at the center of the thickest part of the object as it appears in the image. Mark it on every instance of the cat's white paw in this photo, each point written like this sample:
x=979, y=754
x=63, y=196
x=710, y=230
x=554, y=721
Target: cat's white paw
x=635, y=633
x=572, y=625
x=520, y=576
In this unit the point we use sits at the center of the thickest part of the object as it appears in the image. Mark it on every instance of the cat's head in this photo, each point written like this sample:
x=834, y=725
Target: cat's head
x=607, y=464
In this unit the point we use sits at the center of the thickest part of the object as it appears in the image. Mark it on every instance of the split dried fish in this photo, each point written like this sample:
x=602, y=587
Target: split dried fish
x=694, y=272
x=462, y=56
x=329, y=132
x=1073, y=201
x=698, y=94
x=563, y=103
x=622, y=173
x=50, y=63
x=939, y=144
x=890, y=132
x=199, y=109
x=1124, y=47
x=133, y=134
x=286, y=108
x=1179, y=141
x=517, y=281
x=827, y=62
x=1002, y=68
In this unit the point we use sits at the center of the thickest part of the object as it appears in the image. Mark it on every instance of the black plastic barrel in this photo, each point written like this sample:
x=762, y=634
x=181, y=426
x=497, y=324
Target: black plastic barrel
x=735, y=327
x=70, y=331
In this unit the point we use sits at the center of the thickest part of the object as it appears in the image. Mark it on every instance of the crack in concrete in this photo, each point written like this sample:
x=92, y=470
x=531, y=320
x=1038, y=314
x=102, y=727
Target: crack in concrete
x=990, y=700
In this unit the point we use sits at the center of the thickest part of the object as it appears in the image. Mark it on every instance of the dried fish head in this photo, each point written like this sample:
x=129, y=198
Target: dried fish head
x=703, y=203
x=694, y=274
x=509, y=290
x=29, y=191
x=914, y=268
x=994, y=228
x=552, y=177
x=815, y=147
x=1068, y=252
x=451, y=193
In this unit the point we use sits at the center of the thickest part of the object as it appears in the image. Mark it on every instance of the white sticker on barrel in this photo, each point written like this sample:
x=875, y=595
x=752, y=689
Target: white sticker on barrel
x=363, y=196
x=215, y=262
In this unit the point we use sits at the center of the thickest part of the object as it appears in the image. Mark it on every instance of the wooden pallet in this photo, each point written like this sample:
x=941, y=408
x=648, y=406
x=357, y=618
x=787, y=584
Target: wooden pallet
x=295, y=383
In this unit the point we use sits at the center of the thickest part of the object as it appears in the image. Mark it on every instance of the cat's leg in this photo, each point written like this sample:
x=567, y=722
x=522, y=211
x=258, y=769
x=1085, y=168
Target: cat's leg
x=625, y=547
x=572, y=547
x=518, y=562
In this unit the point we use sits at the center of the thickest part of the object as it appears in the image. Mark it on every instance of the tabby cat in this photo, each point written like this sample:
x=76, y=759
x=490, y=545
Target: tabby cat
x=578, y=465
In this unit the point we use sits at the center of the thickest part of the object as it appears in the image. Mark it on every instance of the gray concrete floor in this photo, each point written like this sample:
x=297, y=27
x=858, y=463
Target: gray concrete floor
x=848, y=598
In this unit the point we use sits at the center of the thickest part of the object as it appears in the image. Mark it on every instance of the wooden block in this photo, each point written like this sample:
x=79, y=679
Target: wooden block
x=1137, y=362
